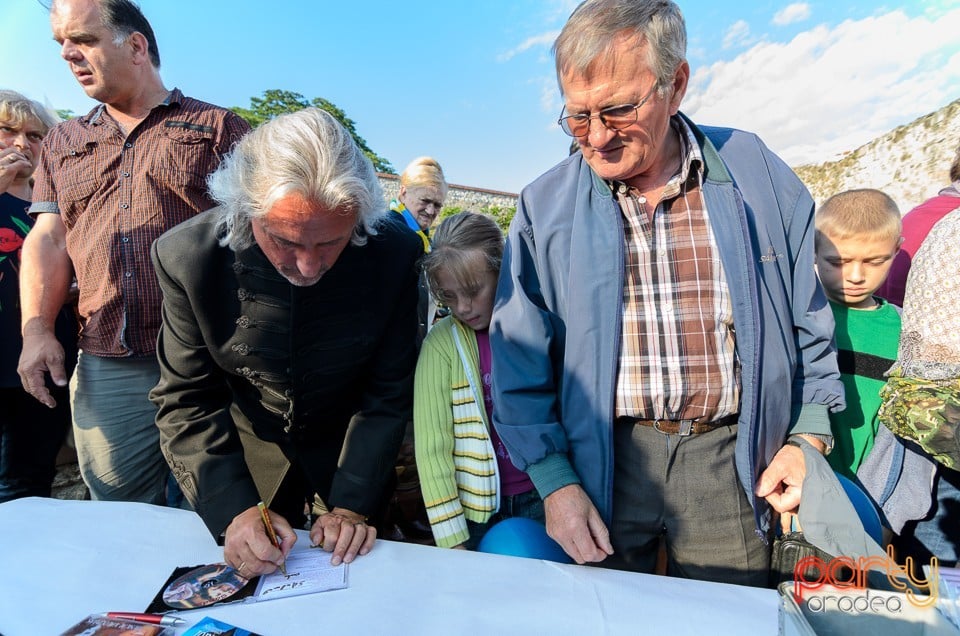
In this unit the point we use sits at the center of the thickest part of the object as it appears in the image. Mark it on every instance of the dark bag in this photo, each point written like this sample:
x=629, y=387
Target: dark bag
x=788, y=550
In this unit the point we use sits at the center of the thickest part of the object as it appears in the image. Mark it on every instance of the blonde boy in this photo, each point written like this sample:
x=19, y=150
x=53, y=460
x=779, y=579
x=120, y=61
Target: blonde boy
x=857, y=237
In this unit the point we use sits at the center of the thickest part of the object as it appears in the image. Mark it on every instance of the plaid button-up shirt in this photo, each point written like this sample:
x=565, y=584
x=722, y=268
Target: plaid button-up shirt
x=116, y=193
x=677, y=358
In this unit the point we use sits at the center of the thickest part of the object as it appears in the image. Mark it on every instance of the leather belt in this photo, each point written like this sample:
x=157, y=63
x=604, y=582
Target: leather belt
x=681, y=427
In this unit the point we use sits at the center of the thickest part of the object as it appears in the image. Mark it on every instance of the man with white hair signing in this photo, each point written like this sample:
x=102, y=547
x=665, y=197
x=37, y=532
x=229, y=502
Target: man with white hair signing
x=288, y=343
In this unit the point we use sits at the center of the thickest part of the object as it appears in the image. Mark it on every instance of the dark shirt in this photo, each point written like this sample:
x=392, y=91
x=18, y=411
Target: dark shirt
x=15, y=223
x=116, y=194
x=259, y=377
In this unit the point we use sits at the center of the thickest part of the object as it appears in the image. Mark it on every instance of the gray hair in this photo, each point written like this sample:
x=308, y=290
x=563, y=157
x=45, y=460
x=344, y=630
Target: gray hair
x=308, y=153
x=17, y=109
x=595, y=24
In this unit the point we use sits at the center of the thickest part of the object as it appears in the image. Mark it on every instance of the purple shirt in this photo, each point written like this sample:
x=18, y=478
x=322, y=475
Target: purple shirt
x=513, y=481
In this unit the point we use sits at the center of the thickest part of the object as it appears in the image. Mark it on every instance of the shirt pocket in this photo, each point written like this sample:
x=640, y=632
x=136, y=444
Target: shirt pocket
x=185, y=157
x=76, y=182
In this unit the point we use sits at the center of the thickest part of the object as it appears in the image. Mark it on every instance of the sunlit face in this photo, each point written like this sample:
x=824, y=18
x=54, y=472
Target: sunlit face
x=623, y=77
x=424, y=203
x=302, y=239
x=25, y=138
x=471, y=304
x=851, y=269
x=102, y=68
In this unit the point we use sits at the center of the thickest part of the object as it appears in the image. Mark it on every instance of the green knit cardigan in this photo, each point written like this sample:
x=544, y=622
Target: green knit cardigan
x=455, y=457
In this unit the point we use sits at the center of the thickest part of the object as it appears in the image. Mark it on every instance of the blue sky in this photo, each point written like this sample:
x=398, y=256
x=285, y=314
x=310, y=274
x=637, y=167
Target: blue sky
x=472, y=83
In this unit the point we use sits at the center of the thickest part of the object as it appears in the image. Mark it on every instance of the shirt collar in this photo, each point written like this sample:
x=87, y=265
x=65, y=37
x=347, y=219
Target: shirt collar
x=95, y=116
x=691, y=157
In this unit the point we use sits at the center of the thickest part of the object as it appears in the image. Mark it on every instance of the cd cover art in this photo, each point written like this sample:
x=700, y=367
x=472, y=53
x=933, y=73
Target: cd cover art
x=96, y=625
x=212, y=627
x=201, y=586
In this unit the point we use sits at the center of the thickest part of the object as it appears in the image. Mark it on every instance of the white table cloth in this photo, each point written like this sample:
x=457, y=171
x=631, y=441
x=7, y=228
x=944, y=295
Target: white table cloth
x=63, y=560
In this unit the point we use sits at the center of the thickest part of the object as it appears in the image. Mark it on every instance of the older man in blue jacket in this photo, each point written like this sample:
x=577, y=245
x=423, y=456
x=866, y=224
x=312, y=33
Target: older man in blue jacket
x=662, y=348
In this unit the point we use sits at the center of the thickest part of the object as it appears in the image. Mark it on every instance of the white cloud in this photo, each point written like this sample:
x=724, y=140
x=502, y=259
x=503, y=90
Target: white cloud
x=550, y=100
x=543, y=39
x=561, y=9
x=796, y=12
x=832, y=89
x=738, y=33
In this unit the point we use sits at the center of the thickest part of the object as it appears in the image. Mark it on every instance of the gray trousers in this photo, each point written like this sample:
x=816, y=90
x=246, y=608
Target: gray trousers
x=114, y=426
x=686, y=489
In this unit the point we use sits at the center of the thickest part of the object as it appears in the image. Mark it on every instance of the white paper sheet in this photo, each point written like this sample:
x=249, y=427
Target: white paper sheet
x=308, y=571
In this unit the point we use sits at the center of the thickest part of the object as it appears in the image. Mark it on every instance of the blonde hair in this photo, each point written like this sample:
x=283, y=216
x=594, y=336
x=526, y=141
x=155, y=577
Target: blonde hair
x=424, y=172
x=17, y=109
x=866, y=213
x=457, y=236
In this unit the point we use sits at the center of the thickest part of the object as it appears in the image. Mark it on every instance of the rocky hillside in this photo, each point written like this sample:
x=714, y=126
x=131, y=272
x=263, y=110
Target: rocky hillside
x=910, y=163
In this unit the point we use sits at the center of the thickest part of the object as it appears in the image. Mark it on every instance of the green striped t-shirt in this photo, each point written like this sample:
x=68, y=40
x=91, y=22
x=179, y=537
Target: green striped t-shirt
x=867, y=341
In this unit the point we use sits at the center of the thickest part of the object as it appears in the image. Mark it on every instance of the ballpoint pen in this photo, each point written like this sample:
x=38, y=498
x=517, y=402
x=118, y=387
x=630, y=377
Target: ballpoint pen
x=270, y=532
x=154, y=619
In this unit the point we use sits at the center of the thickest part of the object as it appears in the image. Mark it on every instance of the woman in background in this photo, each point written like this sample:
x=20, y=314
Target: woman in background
x=422, y=191
x=30, y=433
x=921, y=400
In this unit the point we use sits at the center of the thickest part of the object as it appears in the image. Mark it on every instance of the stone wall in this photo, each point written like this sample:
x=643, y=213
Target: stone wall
x=458, y=196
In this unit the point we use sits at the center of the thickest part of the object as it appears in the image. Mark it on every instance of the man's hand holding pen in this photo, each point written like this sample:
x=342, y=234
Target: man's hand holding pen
x=247, y=546
x=343, y=532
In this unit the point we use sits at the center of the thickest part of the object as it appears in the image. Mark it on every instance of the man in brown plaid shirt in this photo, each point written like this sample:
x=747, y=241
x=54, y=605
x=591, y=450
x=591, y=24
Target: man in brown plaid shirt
x=108, y=184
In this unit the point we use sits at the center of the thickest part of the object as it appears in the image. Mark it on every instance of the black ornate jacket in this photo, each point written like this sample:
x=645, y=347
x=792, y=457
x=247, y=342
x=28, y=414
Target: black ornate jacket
x=258, y=375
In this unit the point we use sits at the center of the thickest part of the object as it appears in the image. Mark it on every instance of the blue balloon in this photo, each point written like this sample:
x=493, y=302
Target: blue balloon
x=522, y=537
x=864, y=507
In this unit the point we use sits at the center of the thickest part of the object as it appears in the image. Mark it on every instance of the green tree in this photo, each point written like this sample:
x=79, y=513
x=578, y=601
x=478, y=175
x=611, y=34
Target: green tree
x=502, y=216
x=65, y=113
x=277, y=102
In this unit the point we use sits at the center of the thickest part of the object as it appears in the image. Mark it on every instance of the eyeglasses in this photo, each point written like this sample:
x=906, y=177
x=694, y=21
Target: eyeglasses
x=614, y=118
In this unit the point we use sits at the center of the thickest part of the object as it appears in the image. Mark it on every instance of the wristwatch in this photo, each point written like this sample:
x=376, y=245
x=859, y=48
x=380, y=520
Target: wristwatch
x=826, y=439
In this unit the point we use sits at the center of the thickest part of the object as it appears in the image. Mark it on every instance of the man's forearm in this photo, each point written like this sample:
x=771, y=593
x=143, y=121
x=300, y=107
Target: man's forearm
x=45, y=275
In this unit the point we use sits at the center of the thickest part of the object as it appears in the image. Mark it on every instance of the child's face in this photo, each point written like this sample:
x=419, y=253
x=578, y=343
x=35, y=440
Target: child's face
x=851, y=269
x=472, y=305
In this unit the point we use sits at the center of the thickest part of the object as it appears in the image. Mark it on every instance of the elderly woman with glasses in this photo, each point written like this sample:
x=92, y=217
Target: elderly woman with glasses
x=30, y=433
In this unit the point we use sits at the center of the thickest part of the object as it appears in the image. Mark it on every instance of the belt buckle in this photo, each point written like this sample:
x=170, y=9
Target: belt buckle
x=685, y=428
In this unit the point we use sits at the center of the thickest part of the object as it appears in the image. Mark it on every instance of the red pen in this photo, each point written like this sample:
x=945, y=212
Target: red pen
x=153, y=619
